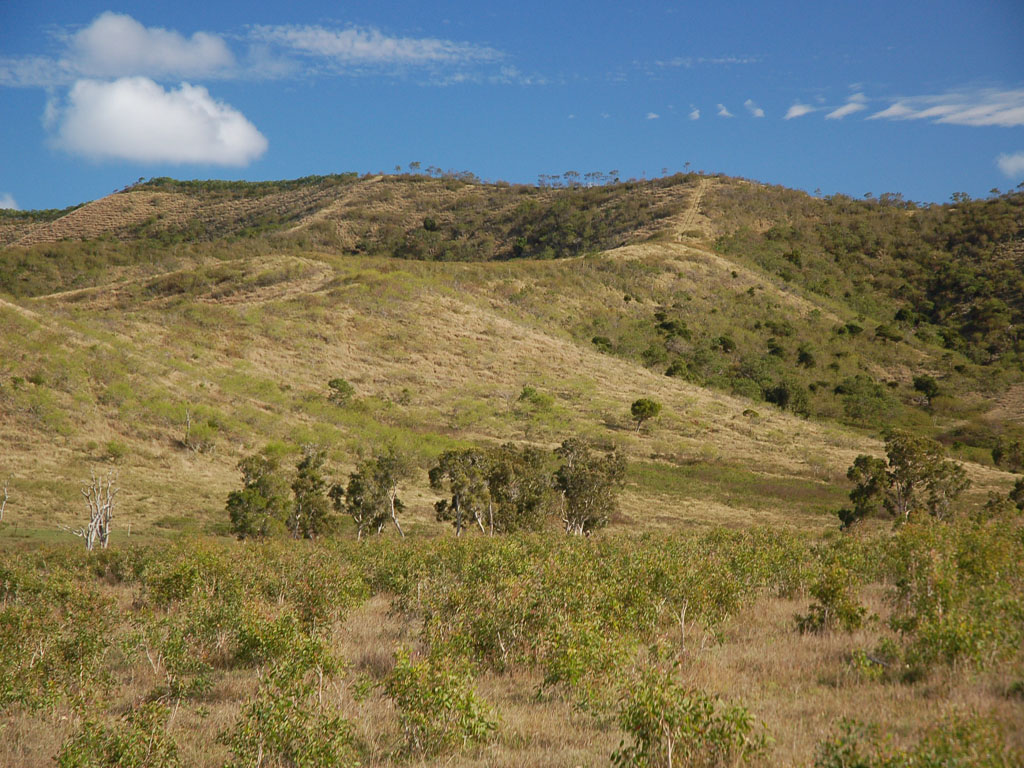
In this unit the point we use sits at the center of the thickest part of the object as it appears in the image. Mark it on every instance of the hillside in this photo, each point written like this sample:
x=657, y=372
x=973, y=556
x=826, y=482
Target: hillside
x=236, y=303
x=176, y=335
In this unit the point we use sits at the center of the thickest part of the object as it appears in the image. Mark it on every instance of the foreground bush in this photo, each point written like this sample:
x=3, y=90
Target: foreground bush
x=437, y=707
x=672, y=726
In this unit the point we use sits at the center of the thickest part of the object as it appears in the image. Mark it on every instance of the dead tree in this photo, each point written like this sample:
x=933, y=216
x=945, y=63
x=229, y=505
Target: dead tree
x=3, y=501
x=99, y=496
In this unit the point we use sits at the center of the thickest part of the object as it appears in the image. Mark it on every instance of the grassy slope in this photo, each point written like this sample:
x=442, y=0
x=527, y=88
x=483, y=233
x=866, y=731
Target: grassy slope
x=245, y=336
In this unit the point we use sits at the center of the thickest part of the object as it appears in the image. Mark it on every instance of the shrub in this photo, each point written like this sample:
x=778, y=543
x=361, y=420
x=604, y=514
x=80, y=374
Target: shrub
x=960, y=742
x=288, y=725
x=836, y=605
x=138, y=740
x=671, y=725
x=437, y=707
x=341, y=392
x=643, y=410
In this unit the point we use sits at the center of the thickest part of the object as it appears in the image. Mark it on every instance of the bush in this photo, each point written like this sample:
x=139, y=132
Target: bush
x=961, y=742
x=643, y=410
x=437, y=707
x=836, y=605
x=138, y=740
x=288, y=725
x=671, y=725
x=341, y=392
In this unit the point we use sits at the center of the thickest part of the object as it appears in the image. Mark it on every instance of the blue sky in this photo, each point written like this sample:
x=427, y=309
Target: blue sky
x=921, y=98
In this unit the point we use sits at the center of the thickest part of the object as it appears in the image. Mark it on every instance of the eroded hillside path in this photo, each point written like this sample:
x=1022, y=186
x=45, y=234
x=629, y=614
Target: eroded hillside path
x=689, y=218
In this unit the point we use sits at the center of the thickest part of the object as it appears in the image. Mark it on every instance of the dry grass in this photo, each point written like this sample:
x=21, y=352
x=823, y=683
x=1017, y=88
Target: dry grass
x=447, y=334
x=798, y=686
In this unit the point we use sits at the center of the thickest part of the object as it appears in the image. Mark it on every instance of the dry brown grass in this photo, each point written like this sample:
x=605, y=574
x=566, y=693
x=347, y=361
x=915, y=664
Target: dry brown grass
x=798, y=686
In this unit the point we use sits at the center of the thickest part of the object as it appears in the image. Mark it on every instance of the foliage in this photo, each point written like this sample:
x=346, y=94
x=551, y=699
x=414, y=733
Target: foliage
x=261, y=507
x=437, y=707
x=588, y=484
x=288, y=725
x=671, y=725
x=643, y=410
x=371, y=496
x=519, y=488
x=465, y=471
x=961, y=742
x=138, y=740
x=916, y=478
x=836, y=606
x=341, y=391
x=311, y=512
x=927, y=386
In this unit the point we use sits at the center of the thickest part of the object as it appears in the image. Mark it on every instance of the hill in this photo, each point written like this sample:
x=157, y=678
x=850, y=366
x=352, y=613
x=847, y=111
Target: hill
x=168, y=332
x=444, y=300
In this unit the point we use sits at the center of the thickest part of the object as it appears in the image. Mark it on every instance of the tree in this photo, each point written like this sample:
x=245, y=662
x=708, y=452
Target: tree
x=519, y=489
x=1009, y=453
x=871, y=483
x=588, y=485
x=261, y=507
x=371, y=497
x=341, y=391
x=643, y=410
x=466, y=473
x=1017, y=494
x=99, y=496
x=916, y=477
x=927, y=386
x=311, y=511
x=3, y=502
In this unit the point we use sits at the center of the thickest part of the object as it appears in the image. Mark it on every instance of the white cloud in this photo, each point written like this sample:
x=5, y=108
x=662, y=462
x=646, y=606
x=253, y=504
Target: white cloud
x=356, y=45
x=856, y=103
x=694, y=114
x=798, y=110
x=8, y=201
x=753, y=109
x=688, y=62
x=723, y=112
x=653, y=115
x=136, y=119
x=1012, y=165
x=987, y=107
x=116, y=45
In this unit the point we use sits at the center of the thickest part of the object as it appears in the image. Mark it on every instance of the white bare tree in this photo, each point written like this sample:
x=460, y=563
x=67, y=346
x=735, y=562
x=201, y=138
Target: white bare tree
x=3, y=501
x=99, y=496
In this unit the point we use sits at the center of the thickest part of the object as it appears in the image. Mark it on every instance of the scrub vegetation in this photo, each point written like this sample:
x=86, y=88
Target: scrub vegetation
x=419, y=469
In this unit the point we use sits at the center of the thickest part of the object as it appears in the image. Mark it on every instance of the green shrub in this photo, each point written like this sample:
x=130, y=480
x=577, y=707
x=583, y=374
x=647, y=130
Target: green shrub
x=960, y=742
x=437, y=707
x=138, y=740
x=836, y=605
x=288, y=724
x=671, y=725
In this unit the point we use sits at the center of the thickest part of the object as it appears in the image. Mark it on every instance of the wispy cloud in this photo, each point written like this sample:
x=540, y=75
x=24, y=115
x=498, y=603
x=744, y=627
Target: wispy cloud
x=7, y=201
x=753, y=109
x=370, y=46
x=694, y=114
x=1011, y=165
x=688, y=62
x=723, y=112
x=135, y=119
x=116, y=45
x=653, y=115
x=856, y=103
x=798, y=110
x=986, y=107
